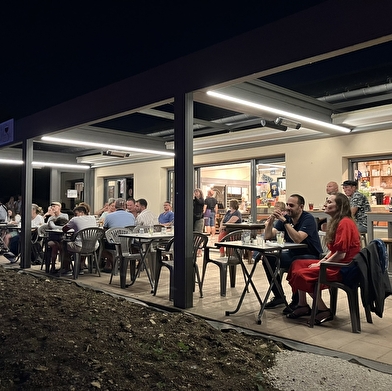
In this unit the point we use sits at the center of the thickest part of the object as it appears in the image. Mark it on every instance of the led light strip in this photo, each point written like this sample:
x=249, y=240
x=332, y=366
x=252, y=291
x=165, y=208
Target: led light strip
x=46, y=164
x=280, y=113
x=104, y=146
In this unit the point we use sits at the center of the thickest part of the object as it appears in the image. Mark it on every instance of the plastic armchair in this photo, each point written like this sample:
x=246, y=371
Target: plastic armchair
x=351, y=291
x=89, y=238
x=230, y=262
x=123, y=252
x=165, y=259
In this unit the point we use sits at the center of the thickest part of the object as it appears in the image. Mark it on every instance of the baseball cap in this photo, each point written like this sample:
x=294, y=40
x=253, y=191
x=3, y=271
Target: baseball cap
x=350, y=183
x=55, y=203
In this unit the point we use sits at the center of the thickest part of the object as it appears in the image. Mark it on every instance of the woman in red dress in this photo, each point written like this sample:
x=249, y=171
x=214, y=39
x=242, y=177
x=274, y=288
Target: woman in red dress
x=343, y=242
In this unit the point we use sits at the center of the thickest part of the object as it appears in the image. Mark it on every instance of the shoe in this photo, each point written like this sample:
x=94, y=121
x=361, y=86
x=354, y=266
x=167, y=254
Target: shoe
x=275, y=301
x=65, y=272
x=323, y=316
x=290, y=308
x=81, y=272
x=301, y=310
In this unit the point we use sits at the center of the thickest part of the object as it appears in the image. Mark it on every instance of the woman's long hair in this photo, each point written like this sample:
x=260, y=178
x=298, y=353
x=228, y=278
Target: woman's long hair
x=342, y=210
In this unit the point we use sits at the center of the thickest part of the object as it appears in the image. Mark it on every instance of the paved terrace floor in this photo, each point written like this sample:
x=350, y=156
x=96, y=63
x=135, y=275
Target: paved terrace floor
x=374, y=343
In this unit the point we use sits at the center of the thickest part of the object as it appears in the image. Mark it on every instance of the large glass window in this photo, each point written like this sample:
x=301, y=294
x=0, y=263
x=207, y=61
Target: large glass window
x=374, y=176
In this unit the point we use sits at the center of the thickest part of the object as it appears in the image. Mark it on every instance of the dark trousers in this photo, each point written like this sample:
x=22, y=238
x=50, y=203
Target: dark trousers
x=286, y=259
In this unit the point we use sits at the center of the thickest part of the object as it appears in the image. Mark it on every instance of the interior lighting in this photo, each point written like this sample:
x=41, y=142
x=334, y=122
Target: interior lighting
x=102, y=146
x=279, y=113
x=11, y=161
x=46, y=164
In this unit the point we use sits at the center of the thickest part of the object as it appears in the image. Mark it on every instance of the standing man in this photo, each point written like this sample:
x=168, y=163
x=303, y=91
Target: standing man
x=298, y=226
x=166, y=218
x=332, y=188
x=209, y=211
x=359, y=204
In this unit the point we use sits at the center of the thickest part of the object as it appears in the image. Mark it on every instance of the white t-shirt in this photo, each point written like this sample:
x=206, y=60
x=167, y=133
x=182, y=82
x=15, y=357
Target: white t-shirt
x=80, y=222
x=37, y=221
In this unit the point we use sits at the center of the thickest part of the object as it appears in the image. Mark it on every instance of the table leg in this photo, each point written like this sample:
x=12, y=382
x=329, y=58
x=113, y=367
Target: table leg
x=248, y=281
x=143, y=256
x=274, y=281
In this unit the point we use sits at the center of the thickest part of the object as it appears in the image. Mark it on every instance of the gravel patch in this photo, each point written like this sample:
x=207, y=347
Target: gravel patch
x=298, y=371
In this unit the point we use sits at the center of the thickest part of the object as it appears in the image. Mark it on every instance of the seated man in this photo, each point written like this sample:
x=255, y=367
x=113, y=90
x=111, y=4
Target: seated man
x=166, y=218
x=298, y=226
x=81, y=220
x=120, y=217
x=55, y=220
x=145, y=216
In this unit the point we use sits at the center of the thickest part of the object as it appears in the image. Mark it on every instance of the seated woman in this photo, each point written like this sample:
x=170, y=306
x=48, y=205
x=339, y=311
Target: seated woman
x=233, y=215
x=343, y=243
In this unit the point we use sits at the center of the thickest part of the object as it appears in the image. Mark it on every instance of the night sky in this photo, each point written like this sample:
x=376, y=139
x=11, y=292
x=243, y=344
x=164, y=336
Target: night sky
x=53, y=51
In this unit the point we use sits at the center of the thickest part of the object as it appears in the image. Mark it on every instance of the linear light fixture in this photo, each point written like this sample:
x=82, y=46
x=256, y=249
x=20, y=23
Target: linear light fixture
x=279, y=113
x=46, y=164
x=116, y=153
x=104, y=146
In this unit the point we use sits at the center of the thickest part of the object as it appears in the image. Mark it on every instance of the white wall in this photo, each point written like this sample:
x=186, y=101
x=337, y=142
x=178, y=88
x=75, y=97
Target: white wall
x=310, y=165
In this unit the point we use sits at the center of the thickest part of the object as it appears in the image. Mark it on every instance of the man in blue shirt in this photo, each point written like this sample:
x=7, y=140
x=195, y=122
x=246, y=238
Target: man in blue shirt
x=166, y=218
x=298, y=226
x=120, y=217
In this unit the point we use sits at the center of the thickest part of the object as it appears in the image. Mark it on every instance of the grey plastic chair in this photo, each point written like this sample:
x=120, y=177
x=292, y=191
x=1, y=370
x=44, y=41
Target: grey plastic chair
x=123, y=251
x=89, y=237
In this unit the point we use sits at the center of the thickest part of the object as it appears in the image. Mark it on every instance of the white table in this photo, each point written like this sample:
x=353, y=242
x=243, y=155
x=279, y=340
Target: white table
x=378, y=216
x=145, y=241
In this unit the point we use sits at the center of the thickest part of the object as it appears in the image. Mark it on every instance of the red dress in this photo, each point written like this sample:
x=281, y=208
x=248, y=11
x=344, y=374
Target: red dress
x=303, y=278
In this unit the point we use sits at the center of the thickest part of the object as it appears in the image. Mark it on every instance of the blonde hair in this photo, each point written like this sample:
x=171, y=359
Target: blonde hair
x=280, y=205
x=37, y=209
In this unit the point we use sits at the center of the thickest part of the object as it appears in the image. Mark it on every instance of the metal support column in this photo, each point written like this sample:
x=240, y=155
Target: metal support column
x=183, y=200
x=27, y=200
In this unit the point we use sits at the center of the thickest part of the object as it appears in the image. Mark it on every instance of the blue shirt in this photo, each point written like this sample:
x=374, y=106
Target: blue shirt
x=119, y=218
x=306, y=223
x=166, y=217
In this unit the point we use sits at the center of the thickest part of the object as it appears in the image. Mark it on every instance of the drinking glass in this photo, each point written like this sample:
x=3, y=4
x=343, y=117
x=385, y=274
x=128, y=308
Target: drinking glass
x=280, y=237
x=311, y=204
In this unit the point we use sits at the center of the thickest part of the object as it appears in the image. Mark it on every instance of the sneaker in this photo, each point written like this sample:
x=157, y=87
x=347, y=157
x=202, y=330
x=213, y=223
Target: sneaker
x=81, y=272
x=290, y=308
x=275, y=301
x=65, y=272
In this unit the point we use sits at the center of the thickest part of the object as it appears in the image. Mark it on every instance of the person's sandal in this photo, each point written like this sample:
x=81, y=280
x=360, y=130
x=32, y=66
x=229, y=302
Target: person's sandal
x=301, y=310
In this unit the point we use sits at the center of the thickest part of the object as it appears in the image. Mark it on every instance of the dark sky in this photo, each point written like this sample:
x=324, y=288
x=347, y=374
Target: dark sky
x=52, y=51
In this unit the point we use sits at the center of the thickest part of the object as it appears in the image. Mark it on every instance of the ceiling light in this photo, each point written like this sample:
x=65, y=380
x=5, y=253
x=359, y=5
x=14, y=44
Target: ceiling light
x=288, y=123
x=46, y=164
x=104, y=146
x=280, y=113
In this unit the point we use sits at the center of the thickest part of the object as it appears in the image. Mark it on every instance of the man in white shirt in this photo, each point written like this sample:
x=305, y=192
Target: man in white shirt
x=145, y=217
x=80, y=221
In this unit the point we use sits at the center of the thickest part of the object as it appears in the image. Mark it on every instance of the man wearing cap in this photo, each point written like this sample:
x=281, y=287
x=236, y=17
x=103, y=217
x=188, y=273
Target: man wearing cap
x=359, y=204
x=54, y=212
x=56, y=220
x=120, y=217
